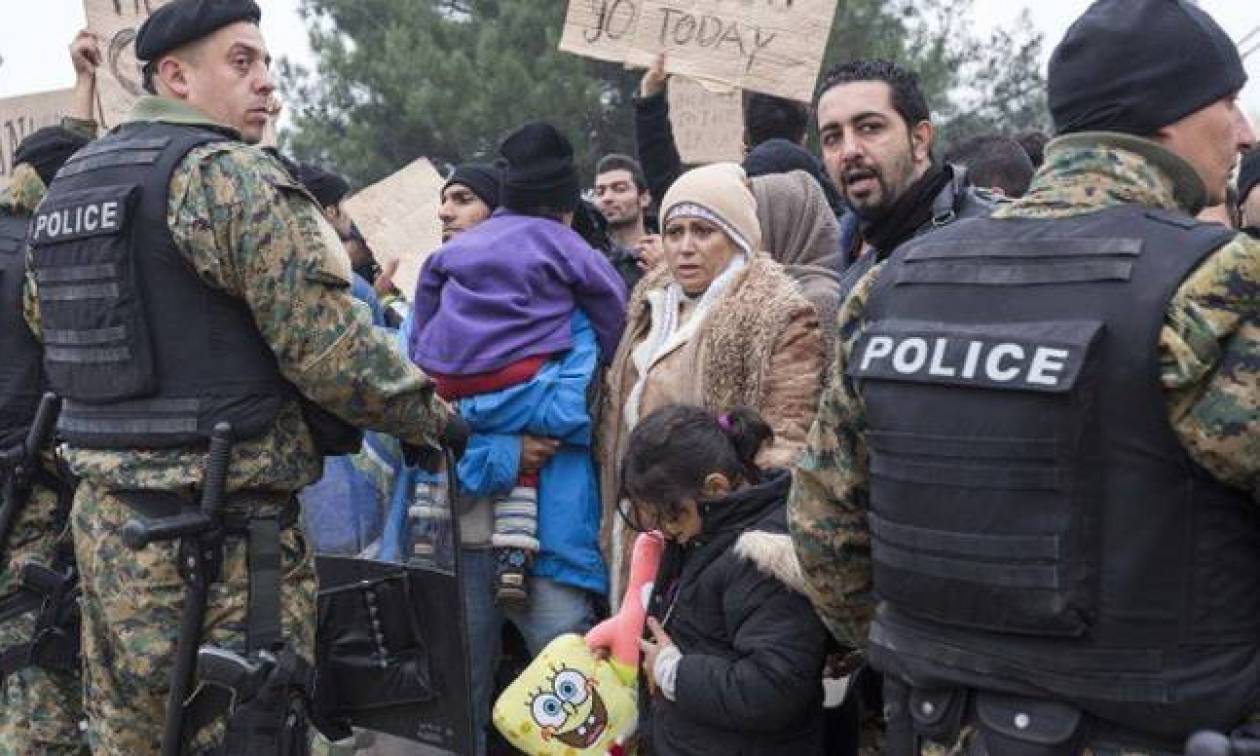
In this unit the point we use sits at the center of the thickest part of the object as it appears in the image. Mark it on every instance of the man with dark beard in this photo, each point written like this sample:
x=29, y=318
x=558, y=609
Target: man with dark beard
x=876, y=134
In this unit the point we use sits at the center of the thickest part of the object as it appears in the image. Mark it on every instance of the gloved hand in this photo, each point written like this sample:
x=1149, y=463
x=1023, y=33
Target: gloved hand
x=455, y=435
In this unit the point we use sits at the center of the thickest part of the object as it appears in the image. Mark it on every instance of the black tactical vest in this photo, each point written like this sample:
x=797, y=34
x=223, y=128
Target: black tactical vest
x=1037, y=528
x=145, y=354
x=21, y=378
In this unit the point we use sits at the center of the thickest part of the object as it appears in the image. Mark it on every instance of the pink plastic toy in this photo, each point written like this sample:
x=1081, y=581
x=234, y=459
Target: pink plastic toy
x=620, y=633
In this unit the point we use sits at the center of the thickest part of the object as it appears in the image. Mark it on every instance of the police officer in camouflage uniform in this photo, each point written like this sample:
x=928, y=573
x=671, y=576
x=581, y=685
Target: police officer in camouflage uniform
x=40, y=706
x=1030, y=492
x=186, y=279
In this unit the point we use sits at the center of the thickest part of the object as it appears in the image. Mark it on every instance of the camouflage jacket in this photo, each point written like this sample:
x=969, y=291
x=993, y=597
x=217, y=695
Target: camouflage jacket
x=1209, y=353
x=245, y=227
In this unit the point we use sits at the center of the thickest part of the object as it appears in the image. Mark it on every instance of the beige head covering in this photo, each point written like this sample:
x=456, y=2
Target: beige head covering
x=722, y=190
x=801, y=233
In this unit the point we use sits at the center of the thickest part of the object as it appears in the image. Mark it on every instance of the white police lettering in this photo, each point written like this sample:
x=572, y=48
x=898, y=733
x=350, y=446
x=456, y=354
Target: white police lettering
x=964, y=359
x=1045, y=362
x=902, y=361
x=939, y=367
x=973, y=359
x=72, y=221
x=993, y=365
x=878, y=348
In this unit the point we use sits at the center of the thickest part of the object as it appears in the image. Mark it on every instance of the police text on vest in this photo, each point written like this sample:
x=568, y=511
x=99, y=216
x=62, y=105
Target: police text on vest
x=967, y=359
x=104, y=216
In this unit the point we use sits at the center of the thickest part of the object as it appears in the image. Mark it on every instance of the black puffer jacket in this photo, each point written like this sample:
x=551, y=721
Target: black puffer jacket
x=750, y=678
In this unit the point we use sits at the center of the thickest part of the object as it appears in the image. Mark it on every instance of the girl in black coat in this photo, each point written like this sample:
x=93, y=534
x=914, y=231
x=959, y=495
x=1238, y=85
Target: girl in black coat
x=734, y=664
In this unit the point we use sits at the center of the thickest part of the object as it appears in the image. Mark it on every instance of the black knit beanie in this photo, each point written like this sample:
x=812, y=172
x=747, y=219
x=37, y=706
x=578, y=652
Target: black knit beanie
x=484, y=179
x=540, y=170
x=327, y=187
x=47, y=150
x=1135, y=66
x=1248, y=174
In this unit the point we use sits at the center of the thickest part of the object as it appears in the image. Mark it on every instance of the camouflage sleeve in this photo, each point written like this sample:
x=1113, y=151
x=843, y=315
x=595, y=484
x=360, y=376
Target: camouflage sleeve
x=247, y=228
x=829, y=499
x=25, y=191
x=84, y=127
x=30, y=300
x=1210, y=364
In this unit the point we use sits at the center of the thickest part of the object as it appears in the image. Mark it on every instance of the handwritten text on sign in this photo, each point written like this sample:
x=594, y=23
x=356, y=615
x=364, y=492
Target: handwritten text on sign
x=708, y=126
x=772, y=46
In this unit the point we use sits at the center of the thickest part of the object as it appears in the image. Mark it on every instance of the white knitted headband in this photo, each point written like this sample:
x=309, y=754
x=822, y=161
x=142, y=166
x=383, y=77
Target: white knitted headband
x=693, y=210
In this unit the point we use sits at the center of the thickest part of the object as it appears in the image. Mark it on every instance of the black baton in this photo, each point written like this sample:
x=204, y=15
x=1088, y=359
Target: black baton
x=22, y=462
x=201, y=534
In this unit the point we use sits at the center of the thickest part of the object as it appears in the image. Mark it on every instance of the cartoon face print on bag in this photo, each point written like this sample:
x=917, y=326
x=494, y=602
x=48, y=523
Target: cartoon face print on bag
x=572, y=711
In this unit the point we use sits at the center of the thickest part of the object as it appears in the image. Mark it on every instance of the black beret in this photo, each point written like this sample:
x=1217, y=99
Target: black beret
x=327, y=187
x=1248, y=174
x=182, y=21
x=48, y=149
x=484, y=179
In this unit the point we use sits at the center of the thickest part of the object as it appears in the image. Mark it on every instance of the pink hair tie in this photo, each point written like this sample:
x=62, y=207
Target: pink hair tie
x=724, y=422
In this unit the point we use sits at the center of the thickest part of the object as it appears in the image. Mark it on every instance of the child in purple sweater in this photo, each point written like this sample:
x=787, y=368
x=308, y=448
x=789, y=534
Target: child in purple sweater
x=494, y=303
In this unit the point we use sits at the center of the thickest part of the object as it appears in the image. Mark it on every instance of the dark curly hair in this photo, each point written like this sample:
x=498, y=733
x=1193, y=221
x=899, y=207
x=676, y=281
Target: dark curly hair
x=907, y=96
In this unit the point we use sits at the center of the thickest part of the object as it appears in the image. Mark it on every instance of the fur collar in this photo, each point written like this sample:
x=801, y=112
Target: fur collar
x=740, y=331
x=773, y=555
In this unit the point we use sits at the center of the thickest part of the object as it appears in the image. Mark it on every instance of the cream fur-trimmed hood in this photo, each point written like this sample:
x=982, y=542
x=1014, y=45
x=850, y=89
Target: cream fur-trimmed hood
x=773, y=555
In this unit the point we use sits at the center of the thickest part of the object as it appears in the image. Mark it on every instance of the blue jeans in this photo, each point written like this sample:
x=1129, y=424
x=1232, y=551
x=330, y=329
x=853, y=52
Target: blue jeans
x=554, y=609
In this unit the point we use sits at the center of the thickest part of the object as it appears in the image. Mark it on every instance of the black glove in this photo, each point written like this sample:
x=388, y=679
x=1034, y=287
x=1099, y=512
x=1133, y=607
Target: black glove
x=455, y=435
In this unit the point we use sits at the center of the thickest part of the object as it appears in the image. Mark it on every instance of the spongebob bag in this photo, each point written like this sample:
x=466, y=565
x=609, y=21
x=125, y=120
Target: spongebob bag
x=566, y=703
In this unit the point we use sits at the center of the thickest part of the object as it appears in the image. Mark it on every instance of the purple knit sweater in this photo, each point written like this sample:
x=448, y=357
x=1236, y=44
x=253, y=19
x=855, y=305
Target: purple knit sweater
x=505, y=290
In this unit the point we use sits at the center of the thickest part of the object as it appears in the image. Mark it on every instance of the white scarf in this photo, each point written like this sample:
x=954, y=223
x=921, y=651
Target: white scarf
x=665, y=335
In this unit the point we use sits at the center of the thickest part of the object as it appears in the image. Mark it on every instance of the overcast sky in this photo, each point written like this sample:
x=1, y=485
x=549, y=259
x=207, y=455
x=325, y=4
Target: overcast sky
x=33, y=40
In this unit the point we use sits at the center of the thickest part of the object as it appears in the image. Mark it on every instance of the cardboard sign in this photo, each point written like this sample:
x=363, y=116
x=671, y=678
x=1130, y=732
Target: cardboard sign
x=708, y=126
x=21, y=116
x=399, y=217
x=118, y=80
x=771, y=46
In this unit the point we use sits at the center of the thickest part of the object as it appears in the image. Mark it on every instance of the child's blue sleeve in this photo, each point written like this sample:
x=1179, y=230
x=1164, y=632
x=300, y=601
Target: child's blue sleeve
x=491, y=465
x=562, y=411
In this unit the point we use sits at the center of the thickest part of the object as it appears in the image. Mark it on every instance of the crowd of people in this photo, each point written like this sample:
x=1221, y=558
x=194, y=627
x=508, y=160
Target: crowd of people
x=952, y=453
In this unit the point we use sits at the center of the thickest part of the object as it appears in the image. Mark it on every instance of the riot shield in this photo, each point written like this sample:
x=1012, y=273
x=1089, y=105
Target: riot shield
x=392, y=642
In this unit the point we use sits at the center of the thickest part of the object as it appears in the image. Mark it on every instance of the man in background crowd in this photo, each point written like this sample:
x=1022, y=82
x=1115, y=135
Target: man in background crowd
x=468, y=197
x=622, y=197
x=995, y=162
x=1034, y=143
